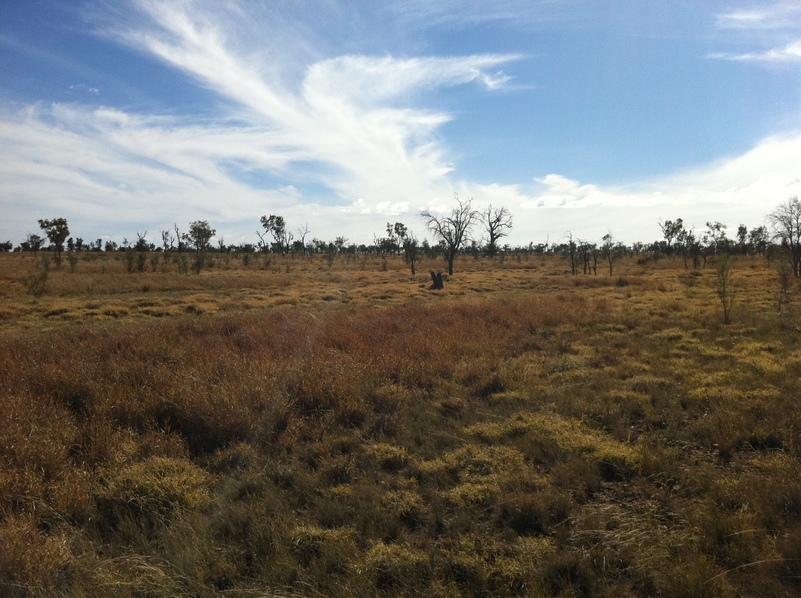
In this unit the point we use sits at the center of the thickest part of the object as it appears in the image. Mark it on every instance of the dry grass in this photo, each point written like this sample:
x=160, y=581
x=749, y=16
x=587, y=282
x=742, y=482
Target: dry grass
x=295, y=429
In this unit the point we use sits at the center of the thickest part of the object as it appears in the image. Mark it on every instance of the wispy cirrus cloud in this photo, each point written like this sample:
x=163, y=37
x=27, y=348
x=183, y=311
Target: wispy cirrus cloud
x=761, y=16
x=350, y=127
x=789, y=53
x=774, y=27
x=431, y=13
x=344, y=113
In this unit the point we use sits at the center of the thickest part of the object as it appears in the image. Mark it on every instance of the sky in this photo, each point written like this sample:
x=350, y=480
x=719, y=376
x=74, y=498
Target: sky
x=587, y=117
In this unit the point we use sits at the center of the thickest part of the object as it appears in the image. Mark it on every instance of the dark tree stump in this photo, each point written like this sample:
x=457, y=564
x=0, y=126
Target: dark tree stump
x=436, y=278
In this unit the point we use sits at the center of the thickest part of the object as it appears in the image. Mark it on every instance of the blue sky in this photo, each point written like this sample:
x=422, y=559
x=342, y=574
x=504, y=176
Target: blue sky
x=577, y=115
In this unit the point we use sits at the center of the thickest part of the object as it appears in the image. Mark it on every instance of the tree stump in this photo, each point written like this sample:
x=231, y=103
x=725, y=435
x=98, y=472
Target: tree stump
x=436, y=278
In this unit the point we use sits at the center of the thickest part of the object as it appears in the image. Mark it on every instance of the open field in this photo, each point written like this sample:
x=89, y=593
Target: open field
x=300, y=427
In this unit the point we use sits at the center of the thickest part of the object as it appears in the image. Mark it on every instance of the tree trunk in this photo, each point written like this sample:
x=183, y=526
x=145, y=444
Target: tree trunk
x=451, y=257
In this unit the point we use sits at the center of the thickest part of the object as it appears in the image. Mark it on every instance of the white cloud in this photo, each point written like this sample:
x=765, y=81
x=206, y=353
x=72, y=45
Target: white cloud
x=744, y=188
x=366, y=80
x=773, y=27
x=83, y=88
x=341, y=115
x=762, y=16
x=429, y=13
x=790, y=53
x=106, y=166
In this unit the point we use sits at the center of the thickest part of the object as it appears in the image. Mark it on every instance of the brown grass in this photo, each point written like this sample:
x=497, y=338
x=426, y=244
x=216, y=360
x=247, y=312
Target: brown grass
x=346, y=431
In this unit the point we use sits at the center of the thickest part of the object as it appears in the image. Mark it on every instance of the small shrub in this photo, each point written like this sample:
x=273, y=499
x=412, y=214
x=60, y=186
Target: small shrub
x=36, y=283
x=129, y=259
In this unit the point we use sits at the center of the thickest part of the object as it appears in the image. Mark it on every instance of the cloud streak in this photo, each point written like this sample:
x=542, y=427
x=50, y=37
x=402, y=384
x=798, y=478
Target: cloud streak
x=348, y=111
x=790, y=53
x=760, y=16
x=776, y=25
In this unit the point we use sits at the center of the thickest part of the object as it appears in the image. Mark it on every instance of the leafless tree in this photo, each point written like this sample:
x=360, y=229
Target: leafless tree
x=497, y=222
x=302, y=232
x=786, y=223
x=179, y=236
x=454, y=229
x=572, y=253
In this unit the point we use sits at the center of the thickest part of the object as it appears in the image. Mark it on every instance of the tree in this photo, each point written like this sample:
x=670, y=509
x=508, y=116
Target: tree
x=406, y=241
x=199, y=235
x=397, y=233
x=758, y=239
x=276, y=226
x=742, y=239
x=610, y=250
x=671, y=230
x=141, y=242
x=716, y=233
x=452, y=230
x=724, y=288
x=497, y=222
x=57, y=232
x=32, y=243
x=141, y=248
x=179, y=236
x=571, y=253
x=690, y=246
x=166, y=240
x=588, y=253
x=302, y=232
x=785, y=221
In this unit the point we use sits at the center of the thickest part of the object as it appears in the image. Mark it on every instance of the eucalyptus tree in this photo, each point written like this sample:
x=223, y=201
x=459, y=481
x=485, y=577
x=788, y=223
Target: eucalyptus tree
x=57, y=232
x=759, y=239
x=716, y=234
x=200, y=235
x=32, y=243
x=453, y=229
x=785, y=221
x=611, y=251
x=276, y=227
x=671, y=229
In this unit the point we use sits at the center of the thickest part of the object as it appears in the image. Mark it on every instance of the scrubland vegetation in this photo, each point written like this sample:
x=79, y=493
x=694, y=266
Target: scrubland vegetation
x=314, y=426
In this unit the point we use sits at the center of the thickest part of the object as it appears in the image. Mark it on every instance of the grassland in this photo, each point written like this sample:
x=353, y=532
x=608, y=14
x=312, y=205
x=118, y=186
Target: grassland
x=300, y=427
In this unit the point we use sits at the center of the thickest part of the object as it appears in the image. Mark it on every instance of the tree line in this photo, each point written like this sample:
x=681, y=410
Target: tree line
x=462, y=231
